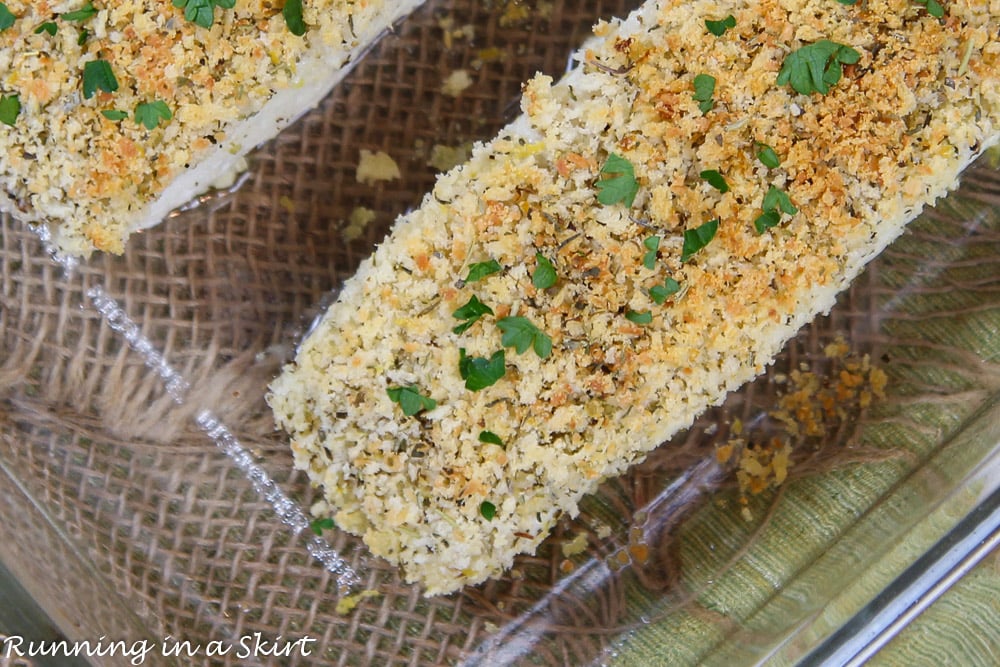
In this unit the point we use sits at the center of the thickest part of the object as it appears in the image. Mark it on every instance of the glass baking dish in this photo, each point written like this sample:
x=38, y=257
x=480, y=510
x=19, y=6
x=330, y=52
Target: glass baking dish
x=147, y=497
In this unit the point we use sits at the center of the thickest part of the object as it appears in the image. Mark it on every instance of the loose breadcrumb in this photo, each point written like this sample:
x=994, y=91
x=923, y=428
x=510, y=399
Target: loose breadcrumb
x=374, y=167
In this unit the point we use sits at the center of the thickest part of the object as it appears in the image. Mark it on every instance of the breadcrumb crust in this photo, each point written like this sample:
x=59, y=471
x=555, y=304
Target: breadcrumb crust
x=857, y=163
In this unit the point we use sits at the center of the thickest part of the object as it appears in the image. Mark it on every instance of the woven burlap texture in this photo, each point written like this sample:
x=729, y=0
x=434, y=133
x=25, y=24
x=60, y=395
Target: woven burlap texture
x=126, y=521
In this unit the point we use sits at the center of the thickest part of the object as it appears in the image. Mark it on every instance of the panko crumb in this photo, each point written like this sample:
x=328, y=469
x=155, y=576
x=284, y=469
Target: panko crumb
x=456, y=82
x=375, y=167
x=357, y=223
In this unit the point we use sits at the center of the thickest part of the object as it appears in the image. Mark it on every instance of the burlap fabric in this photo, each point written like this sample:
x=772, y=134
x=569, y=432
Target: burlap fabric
x=126, y=520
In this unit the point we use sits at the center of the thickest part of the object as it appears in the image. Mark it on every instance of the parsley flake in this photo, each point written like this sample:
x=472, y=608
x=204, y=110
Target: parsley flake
x=644, y=317
x=848, y=2
x=114, y=114
x=488, y=510
x=319, y=525
x=767, y=156
x=81, y=14
x=815, y=67
x=480, y=372
x=544, y=276
x=934, y=8
x=410, y=399
x=97, y=75
x=660, y=293
x=618, y=184
x=10, y=107
x=490, y=438
x=697, y=238
x=704, y=89
x=715, y=179
x=292, y=11
x=470, y=312
x=480, y=270
x=652, y=244
x=202, y=12
x=719, y=28
x=151, y=113
x=7, y=18
x=48, y=27
x=775, y=201
x=84, y=35
x=520, y=334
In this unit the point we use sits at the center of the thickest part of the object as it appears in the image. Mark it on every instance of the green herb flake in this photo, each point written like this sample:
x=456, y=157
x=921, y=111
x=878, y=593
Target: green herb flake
x=618, y=184
x=292, y=11
x=934, y=8
x=480, y=372
x=697, y=238
x=488, y=510
x=652, y=244
x=766, y=220
x=10, y=107
x=470, y=312
x=775, y=201
x=114, y=114
x=202, y=12
x=97, y=75
x=410, y=399
x=7, y=18
x=520, y=334
x=480, y=270
x=644, y=317
x=704, y=89
x=49, y=27
x=776, y=198
x=544, y=276
x=319, y=525
x=660, y=293
x=81, y=14
x=848, y=2
x=719, y=28
x=84, y=36
x=767, y=156
x=815, y=67
x=490, y=438
x=150, y=114
x=715, y=179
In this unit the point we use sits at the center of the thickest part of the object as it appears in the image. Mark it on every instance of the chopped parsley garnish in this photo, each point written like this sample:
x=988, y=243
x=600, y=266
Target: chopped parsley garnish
x=97, y=75
x=697, y=238
x=775, y=201
x=48, y=27
x=480, y=372
x=618, y=184
x=470, y=312
x=490, y=438
x=544, y=276
x=644, y=317
x=410, y=399
x=719, y=28
x=114, y=114
x=488, y=510
x=202, y=12
x=84, y=35
x=652, y=244
x=81, y=14
x=7, y=18
x=934, y=8
x=319, y=525
x=292, y=11
x=10, y=107
x=151, y=113
x=815, y=67
x=848, y=2
x=660, y=293
x=767, y=156
x=704, y=89
x=480, y=270
x=520, y=334
x=715, y=179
